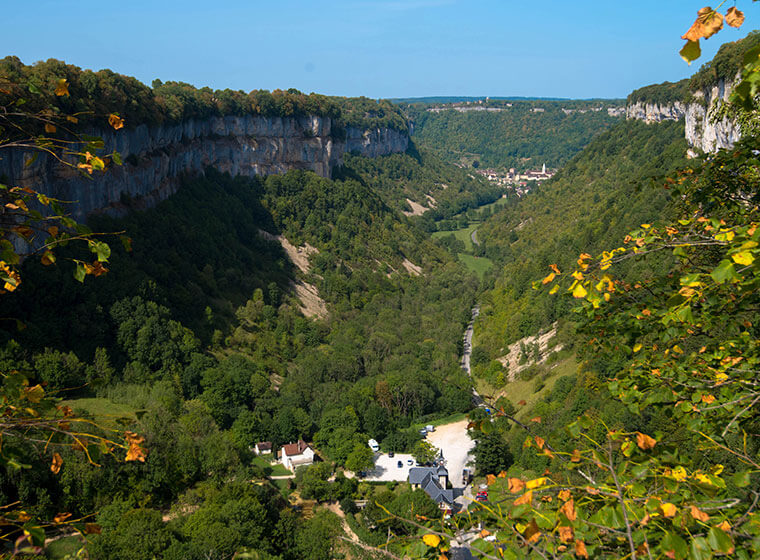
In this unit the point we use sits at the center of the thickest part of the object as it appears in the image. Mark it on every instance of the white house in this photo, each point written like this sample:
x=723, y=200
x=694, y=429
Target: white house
x=293, y=455
x=263, y=448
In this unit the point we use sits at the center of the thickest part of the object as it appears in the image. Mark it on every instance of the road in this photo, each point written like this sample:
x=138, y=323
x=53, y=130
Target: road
x=474, y=237
x=467, y=352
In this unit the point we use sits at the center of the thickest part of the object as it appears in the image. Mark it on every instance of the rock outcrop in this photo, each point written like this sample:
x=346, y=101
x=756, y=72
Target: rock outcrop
x=155, y=158
x=704, y=132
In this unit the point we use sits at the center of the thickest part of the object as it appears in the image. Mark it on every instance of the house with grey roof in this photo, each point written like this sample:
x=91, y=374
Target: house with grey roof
x=434, y=481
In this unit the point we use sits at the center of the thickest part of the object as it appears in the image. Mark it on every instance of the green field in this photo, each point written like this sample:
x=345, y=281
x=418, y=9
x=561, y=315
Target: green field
x=479, y=265
x=105, y=412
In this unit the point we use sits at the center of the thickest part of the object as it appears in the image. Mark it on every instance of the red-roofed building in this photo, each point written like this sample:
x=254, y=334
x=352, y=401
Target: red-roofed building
x=293, y=455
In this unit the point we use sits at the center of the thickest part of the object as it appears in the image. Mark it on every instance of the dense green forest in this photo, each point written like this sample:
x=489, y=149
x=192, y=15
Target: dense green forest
x=598, y=196
x=519, y=134
x=95, y=94
x=196, y=336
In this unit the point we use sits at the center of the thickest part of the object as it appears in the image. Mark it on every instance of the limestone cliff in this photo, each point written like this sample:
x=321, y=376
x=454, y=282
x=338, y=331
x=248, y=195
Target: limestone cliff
x=705, y=132
x=155, y=158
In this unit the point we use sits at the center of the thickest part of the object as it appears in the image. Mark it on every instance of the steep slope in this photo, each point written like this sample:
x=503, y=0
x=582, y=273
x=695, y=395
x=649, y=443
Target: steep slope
x=593, y=200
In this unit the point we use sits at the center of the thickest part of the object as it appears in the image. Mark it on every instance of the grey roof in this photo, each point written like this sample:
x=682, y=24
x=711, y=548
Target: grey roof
x=427, y=478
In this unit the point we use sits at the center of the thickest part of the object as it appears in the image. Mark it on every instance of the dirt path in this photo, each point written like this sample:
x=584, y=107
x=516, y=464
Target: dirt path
x=337, y=510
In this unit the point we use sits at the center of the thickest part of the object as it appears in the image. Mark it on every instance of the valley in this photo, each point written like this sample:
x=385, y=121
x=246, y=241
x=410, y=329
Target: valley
x=285, y=325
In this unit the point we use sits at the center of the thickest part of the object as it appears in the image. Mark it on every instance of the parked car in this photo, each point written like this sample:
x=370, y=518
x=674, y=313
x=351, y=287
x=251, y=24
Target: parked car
x=410, y=461
x=423, y=431
x=400, y=464
x=390, y=454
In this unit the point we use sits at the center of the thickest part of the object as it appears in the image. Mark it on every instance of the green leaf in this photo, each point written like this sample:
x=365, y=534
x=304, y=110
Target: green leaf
x=36, y=535
x=719, y=540
x=674, y=542
x=34, y=89
x=741, y=479
x=691, y=51
x=724, y=272
x=699, y=549
x=80, y=273
x=102, y=250
x=116, y=157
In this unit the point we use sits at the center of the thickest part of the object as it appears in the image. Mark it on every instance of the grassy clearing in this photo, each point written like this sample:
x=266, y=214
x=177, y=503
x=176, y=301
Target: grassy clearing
x=464, y=235
x=520, y=390
x=105, y=412
x=270, y=469
x=479, y=265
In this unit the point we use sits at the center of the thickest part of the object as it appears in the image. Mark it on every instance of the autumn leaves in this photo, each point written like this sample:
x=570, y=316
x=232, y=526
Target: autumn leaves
x=707, y=24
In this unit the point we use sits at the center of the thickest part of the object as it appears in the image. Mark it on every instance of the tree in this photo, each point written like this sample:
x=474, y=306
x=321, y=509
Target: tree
x=492, y=454
x=32, y=122
x=360, y=459
x=425, y=452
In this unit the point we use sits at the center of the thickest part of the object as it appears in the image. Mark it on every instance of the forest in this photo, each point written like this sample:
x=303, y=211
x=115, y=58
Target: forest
x=519, y=134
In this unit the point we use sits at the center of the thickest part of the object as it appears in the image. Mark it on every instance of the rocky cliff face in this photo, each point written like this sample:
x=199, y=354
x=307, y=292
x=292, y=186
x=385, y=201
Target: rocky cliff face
x=703, y=132
x=655, y=112
x=155, y=158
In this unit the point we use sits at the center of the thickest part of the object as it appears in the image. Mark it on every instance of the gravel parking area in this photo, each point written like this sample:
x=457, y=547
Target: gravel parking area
x=452, y=439
x=456, y=445
x=387, y=469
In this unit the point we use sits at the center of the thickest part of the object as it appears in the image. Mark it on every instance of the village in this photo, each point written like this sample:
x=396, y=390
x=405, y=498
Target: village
x=446, y=479
x=521, y=183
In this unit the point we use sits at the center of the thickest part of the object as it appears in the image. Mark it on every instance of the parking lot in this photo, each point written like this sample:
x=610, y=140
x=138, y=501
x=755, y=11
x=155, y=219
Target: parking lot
x=386, y=468
x=452, y=439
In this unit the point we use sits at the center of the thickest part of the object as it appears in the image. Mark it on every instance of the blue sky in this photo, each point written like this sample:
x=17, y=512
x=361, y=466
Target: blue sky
x=377, y=48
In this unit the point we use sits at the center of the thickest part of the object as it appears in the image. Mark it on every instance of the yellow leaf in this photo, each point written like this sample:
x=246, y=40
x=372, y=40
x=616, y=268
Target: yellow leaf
x=566, y=534
x=502, y=474
x=576, y=456
x=526, y=498
x=554, y=289
x=72, y=119
x=535, y=483
x=34, y=394
x=568, y=508
x=580, y=549
x=668, y=509
x=57, y=463
x=725, y=526
x=745, y=258
x=490, y=479
x=579, y=291
x=516, y=485
x=532, y=533
x=484, y=533
x=698, y=514
x=554, y=268
x=564, y=495
x=62, y=88
x=691, y=51
x=644, y=441
x=537, y=419
x=49, y=128
x=61, y=517
x=540, y=442
x=707, y=24
x=679, y=473
x=708, y=399
x=431, y=540
x=637, y=347
x=47, y=258
x=115, y=121
x=549, y=278
x=734, y=17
